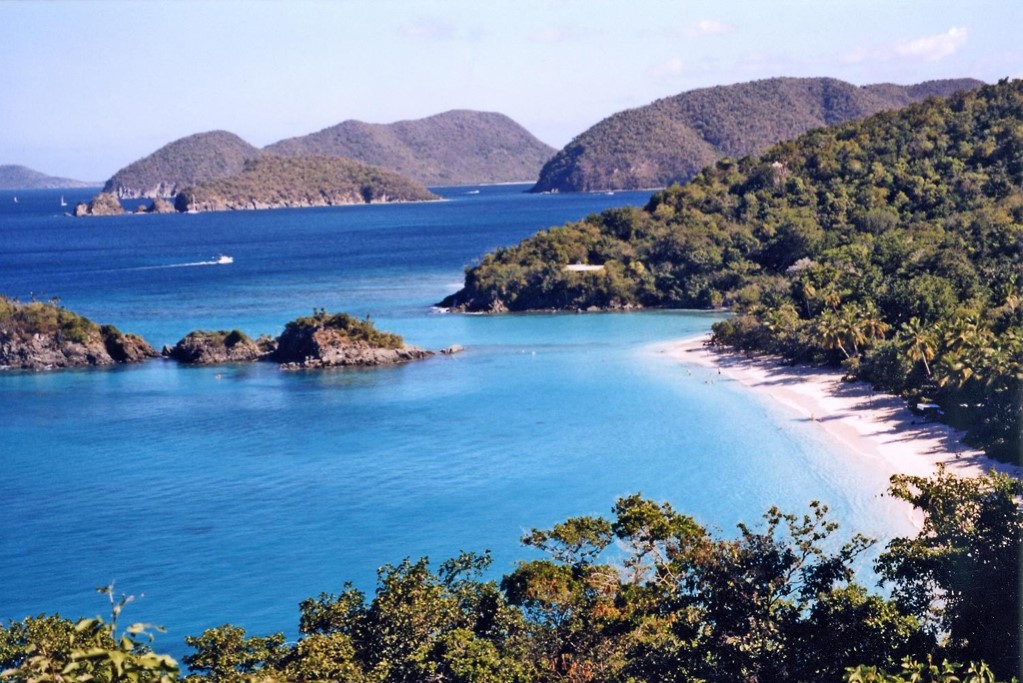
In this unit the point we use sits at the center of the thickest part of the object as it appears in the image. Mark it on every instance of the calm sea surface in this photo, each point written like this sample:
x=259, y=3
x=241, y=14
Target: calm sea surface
x=230, y=494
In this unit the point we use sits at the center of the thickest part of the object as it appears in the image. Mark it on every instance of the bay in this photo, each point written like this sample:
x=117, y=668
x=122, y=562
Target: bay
x=230, y=494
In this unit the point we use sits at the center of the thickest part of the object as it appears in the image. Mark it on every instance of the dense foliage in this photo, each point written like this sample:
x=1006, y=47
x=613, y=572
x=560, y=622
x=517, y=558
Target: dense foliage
x=893, y=245
x=187, y=161
x=670, y=140
x=647, y=595
x=453, y=148
x=270, y=182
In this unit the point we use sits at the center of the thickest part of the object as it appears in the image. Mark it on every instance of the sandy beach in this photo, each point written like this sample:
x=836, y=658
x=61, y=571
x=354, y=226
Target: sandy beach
x=866, y=423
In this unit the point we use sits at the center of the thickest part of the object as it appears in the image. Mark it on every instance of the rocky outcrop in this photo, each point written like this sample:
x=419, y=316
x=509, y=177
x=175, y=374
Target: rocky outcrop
x=216, y=348
x=158, y=205
x=44, y=336
x=103, y=204
x=324, y=341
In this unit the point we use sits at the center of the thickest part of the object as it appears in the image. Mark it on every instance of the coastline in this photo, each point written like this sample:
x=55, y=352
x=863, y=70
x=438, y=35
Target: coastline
x=867, y=424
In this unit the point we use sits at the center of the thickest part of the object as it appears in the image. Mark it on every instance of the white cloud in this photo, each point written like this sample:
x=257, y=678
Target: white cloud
x=673, y=67
x=934, y=48
x=707, y=27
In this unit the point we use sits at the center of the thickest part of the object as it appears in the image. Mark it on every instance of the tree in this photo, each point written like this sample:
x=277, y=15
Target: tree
x=962, y=572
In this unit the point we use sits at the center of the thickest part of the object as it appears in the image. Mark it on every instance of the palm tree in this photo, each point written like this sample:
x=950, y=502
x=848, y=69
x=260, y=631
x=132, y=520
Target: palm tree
x=922, y=343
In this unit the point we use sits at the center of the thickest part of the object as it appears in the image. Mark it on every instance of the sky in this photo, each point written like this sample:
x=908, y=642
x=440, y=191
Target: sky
x=87, y=87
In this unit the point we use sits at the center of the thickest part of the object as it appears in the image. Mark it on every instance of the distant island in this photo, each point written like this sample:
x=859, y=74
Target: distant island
x=454, y=148
x=14, y=177
x=278, y=182
x=290, y=182
x=670, y=140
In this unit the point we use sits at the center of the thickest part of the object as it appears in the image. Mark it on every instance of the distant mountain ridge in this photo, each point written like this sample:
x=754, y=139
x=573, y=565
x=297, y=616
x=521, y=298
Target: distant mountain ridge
x=16, y=177
x=671, y=139
x=458, y=147
x=453, y=148
x=182, y=163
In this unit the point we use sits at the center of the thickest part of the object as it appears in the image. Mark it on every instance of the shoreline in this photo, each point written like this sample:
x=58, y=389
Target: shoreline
x=866, y=424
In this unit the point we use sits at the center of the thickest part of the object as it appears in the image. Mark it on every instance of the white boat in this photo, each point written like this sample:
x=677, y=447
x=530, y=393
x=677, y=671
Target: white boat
x=224, y=260
x=62, y=202
x=15, y=200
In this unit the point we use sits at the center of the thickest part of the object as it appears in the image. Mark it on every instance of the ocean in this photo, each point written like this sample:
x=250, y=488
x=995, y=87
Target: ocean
x=229, y=494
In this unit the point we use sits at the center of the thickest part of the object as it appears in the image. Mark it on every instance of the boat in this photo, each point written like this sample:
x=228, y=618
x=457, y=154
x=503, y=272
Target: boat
x=62, y=202
x=224, y=260
x=15, y=199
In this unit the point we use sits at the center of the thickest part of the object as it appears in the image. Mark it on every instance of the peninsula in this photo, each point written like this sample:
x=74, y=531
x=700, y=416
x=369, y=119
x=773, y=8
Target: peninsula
x=889, y=247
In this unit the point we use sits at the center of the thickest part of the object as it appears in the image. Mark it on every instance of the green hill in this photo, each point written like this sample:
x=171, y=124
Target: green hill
x=453, y=148
x=672, y=139
x=184, y=162
x=892, y=246
x=13, y=177
x=279, y=182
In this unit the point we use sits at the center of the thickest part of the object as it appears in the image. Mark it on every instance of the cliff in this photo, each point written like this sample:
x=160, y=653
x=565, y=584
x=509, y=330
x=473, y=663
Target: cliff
x=671, y=139
x=44, y=336
x=187, y=161
x=281, y=182
x=452, y=148
x=103, y=204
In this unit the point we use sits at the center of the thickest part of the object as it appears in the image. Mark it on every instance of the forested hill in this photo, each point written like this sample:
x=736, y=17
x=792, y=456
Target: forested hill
x=453, y=148
x=13, y=177
x=892, y=245
x=274, y=182
x=672, y=139
x=184, y=162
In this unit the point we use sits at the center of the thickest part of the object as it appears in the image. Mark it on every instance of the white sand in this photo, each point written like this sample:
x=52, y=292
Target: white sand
x=869, y=424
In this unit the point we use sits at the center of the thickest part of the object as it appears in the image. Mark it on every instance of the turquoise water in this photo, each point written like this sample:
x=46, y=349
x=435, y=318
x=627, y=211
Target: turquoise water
x=230, y=494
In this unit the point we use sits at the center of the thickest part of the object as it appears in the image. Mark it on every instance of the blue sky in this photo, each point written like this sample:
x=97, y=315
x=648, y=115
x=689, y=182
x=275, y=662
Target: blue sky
x=88, y=87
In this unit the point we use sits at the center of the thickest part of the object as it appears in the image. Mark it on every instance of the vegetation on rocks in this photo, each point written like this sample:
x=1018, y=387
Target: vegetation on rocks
x=670, y=140
x=43, y=335
x=331, y=340
x=103, y=204
x=892, y=246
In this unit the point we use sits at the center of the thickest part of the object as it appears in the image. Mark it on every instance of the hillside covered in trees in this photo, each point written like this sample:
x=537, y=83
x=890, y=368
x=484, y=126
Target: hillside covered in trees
x=278, y=182
x=670, y=140
x=892, y=246
x=453, y=148
x=647, y=595
x=179, y=164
